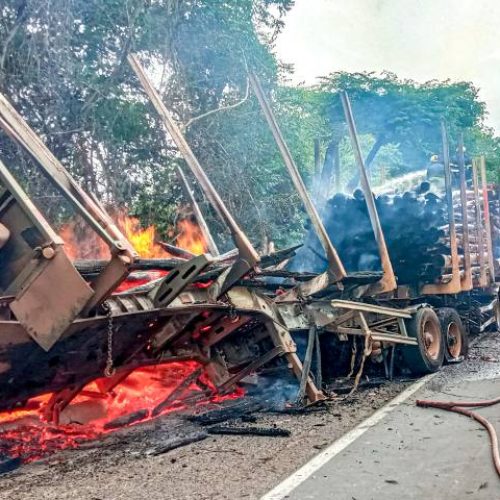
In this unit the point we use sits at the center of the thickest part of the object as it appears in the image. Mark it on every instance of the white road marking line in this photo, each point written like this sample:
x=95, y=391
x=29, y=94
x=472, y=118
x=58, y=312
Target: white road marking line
x=290, y=483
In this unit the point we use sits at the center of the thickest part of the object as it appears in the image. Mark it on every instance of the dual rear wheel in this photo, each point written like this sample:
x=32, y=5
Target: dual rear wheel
x=440, y=335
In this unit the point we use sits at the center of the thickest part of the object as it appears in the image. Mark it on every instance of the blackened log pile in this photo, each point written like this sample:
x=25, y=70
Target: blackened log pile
x=494, y=204
x=416, y=229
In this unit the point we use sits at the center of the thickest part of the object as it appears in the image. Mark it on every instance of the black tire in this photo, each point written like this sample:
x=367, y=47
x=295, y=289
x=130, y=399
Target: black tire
x=428, y=356
x=456, y=341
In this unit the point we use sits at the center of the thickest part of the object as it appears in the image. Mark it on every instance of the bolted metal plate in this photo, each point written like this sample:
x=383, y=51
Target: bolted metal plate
x=51, y=299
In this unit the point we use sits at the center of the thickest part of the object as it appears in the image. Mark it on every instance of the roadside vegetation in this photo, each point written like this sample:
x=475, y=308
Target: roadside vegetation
x=63, y=65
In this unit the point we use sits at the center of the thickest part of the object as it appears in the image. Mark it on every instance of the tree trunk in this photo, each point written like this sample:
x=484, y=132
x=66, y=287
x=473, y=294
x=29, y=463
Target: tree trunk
x=327, y=172
x=368, y=161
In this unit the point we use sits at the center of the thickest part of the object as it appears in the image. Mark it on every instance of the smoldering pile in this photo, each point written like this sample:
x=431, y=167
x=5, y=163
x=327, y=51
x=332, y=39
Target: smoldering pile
x=415, y=225
x=494, y=205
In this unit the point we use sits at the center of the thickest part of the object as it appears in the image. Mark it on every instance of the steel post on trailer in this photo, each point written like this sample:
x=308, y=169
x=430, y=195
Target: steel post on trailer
x=487, y=222
x=388, y=282
x=336, y=271
x=122, y=252
x=483, y=278
x=306, y=366
x=467, y=279
x=454, y=285
x=248, y=257
x=15, y=126
x=188, y=190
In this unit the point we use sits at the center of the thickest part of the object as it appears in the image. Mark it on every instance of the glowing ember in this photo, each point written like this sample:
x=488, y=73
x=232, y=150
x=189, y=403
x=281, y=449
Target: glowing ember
x=190, y=237
x=25, y=434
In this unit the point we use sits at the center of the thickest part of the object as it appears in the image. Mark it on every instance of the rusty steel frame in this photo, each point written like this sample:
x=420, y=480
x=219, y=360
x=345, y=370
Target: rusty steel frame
x=487, y=222
x=122, y=252
x=244, y=299
x=454, y=285
x=483, y=277
x=248, y=257
x=359, y=313
x=466, y=281
x=336, y=271
x=388, y=282
x=44, y=311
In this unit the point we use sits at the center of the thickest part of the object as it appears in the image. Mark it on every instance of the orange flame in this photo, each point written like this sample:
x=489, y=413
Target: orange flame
x=143, y=240
x=190, y=237
x=82, y=243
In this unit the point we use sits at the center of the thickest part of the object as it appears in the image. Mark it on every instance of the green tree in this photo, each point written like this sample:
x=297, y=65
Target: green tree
x=63, y=64
x=404, y=112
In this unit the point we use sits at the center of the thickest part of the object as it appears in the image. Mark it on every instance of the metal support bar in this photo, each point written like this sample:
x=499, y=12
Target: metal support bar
x=254, y=365
x=454, y=285
x=335, y=266
x=246, y=250
x=388, y=282
x=212, y=247
x=306, y=366
x=487, y=223
x=467, y=279
x=371, y=308
x=483, y=278
x=319, y=368
x=16, y=127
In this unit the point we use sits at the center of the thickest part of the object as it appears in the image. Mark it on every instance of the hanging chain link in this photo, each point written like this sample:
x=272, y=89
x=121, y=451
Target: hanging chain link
x=109, y=371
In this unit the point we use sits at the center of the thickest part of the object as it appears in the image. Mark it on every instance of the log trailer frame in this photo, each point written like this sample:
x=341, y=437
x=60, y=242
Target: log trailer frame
x=61, y=329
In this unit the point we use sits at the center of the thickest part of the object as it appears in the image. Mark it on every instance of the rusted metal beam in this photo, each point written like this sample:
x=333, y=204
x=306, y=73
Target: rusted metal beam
x=467, y=279
x=16, y=127
x=335, y=266
x=388, y=282
x=248, y=256
x=246, y=250
x=454, y=285
x=483, y=278
x=487, y=223
x=212, y=247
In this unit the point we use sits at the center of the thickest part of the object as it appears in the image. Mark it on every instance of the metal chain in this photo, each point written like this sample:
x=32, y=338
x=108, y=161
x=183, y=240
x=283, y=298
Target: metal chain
x=109, y=371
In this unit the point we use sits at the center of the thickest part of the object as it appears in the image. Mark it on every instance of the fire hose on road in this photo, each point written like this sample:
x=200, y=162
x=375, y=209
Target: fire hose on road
x=461, y=408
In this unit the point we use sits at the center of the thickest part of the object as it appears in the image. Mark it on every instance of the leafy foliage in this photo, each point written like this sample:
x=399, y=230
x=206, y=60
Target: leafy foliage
x=63, y=65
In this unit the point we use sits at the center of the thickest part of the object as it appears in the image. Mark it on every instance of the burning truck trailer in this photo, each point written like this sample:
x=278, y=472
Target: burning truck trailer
x=68, y=332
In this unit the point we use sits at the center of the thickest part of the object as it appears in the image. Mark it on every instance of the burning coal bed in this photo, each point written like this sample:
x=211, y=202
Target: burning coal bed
x=26, y=434
x=176, y=397
x=145, y=394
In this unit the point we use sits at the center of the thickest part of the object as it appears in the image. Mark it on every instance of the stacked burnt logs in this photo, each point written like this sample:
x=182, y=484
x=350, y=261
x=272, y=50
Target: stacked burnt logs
x=494, y=205
x=416, y=230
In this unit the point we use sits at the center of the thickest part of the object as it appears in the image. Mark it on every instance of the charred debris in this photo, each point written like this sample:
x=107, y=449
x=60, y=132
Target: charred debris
x=72, y=332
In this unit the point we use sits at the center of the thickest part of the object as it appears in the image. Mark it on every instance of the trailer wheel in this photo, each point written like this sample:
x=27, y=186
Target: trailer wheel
x=428, y=356
x=454, y=335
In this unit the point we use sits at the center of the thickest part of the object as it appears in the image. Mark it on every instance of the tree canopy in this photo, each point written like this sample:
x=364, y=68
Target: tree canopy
x=63, y=65
x=408, y=114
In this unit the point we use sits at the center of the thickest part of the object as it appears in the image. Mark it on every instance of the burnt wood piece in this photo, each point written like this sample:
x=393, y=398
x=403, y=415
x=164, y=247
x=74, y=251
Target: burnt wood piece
x=276, y=258
x=176, y=251
x=130, y=418
x=232, y=412
x=249, y=431
x=178, y=441
x=177, y=392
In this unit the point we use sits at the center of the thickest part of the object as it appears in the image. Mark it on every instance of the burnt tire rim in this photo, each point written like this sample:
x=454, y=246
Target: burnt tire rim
x=431, y=336
x=454, y=340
